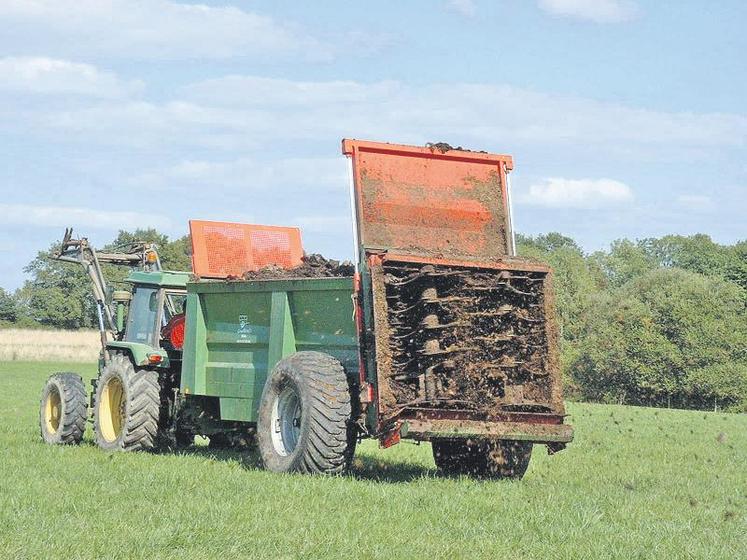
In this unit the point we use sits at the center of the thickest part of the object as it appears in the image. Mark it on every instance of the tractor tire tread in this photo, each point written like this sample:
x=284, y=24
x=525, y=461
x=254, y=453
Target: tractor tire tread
x=74, y=413
x=330, y=440
x=142, y=407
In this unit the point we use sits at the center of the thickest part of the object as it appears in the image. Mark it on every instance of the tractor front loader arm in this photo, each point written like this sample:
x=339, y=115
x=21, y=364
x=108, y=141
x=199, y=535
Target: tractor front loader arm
x=80, y=251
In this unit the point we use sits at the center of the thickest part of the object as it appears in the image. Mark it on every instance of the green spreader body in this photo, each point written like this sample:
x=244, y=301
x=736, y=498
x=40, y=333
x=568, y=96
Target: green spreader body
x=238, y=330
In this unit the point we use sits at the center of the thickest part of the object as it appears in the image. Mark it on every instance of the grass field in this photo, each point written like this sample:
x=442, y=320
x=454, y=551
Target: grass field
x=636, y=483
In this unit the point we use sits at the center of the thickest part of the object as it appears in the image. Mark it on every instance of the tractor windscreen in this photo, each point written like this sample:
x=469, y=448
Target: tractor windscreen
x=143, y=316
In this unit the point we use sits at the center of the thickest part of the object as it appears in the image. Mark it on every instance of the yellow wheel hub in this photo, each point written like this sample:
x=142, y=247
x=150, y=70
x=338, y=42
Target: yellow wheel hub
x=111, y=409
x=53, y=410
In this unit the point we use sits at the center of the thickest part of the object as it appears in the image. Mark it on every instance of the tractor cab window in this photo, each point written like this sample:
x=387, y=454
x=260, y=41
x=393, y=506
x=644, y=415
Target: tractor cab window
x=142, y=318
x=174, y=304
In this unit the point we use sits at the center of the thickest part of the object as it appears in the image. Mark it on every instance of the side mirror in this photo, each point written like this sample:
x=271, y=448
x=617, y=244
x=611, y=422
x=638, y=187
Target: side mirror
x=120, y=296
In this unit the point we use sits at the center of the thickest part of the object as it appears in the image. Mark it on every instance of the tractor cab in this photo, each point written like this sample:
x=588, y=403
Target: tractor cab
x=144, y=323
x=150, y=317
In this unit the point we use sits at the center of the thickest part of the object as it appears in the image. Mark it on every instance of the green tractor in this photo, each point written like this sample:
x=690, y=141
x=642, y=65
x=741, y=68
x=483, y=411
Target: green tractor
x=142, y=332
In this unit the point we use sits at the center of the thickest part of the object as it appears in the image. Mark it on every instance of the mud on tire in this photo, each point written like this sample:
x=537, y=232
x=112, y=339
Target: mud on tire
x=304, y=422
x=482, y=458
x=126, y=407
x=63, y=409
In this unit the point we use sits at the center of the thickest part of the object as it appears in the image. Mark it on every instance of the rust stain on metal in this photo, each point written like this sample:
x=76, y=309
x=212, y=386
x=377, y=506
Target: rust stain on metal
x=387, y=400
x=465, y=220
x=430, y=428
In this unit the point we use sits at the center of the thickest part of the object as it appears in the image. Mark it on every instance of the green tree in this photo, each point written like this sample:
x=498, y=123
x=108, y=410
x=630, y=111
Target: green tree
x=9, y=311
x=58, y=294
x=175, y=255
x=545, y=243
x=624, y=261
x=669, y=336
x=737, y=268
x=699, y=253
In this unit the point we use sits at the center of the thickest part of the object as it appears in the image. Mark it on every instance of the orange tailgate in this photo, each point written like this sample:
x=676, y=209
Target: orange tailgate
x=430, y=202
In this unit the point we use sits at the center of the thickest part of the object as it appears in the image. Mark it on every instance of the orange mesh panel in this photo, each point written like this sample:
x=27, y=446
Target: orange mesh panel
x=222, y=249
x=429, y=202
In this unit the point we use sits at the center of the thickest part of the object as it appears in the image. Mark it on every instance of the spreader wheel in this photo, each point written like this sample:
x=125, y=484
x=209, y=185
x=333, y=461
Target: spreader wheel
x=126, y=406
x=63, y=409
x=482, y=458
x=304, y=422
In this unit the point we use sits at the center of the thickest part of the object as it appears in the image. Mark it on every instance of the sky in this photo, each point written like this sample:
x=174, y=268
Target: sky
x=625, y=118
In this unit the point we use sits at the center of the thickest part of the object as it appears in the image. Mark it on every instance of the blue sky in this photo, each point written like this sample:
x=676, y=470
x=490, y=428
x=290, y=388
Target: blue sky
x=625, y=118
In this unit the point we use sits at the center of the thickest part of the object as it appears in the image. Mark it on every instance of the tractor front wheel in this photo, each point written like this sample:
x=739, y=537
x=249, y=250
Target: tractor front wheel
x=482, y=458
x=63, y=409
x=126, y=406
x=304, y=422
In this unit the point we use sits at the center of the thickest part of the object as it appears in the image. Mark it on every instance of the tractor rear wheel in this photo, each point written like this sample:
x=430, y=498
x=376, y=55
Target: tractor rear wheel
x=482, y=458
x=63, y=409
x=304, y=422
x=126, y=406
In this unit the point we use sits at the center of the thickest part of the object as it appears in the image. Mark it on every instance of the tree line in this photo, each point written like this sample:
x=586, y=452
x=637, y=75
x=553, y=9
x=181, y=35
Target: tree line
x=658, y=321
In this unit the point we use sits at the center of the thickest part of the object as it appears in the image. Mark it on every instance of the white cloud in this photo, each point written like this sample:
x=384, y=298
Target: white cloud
x=599, y=11
x=325, y=224
x=465, y=8
x=249, y=175
x=257, y=91
x=240, y=113
x=64, y=216
x=697, y=202
x=556, y=192
x=7, y=246
x=477, y=111
x=54, y=76
x=153, y=29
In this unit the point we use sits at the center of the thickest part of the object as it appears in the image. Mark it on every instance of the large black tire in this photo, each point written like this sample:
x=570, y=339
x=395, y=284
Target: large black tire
x=482, y=458
x=316, y=436
x=63, y=409
x=125, y=407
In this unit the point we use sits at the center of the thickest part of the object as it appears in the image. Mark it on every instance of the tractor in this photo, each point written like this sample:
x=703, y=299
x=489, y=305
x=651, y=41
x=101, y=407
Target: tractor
x=439, y=332
x=141, y=330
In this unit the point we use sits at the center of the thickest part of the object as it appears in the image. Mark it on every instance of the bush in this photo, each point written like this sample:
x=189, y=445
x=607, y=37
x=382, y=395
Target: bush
x=669, y=337
x=8, y=307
